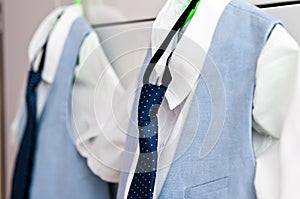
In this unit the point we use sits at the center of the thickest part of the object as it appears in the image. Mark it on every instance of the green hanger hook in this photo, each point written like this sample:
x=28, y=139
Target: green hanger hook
x=76, y=1
x=191, y=13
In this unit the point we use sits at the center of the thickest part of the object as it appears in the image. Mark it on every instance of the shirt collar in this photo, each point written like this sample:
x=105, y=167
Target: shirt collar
x=41, y=34
x=165, y=20
x=57, y=40
x=59, y=31
x=187, y=61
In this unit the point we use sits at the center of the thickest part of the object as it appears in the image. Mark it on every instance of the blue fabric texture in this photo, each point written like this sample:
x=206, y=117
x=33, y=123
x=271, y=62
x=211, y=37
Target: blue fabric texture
x=142, y=185
x=59, y=170
x=25, y=157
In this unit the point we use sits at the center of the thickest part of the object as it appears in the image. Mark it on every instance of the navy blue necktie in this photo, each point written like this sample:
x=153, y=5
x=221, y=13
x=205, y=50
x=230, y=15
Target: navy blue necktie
x=142, y=185
x=25, y=157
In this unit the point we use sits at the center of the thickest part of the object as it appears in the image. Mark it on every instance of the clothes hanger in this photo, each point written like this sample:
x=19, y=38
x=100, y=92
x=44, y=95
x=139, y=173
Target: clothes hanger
x=167, y=77
x=178, y=25
x=191, y=14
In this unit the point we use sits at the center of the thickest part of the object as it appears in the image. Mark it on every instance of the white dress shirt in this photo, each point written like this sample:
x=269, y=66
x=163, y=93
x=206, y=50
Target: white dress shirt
x=277, y=132
x=276, y=104
x=96, y=90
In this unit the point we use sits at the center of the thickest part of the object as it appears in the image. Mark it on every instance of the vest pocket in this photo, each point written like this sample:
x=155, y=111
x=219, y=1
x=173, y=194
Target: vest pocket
x=216, y=189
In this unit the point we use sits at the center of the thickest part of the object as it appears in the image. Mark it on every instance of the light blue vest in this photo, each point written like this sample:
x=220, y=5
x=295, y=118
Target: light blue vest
x=220, y=162
x=59, y=171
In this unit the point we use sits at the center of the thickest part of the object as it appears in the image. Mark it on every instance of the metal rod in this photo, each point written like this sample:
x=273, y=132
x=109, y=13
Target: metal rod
x=153, y=19
x=270, y=5
x=122, y=23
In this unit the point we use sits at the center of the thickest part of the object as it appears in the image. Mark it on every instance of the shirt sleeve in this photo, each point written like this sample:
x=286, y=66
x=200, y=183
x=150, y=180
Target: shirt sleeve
x=275, y=118
x=95, y=129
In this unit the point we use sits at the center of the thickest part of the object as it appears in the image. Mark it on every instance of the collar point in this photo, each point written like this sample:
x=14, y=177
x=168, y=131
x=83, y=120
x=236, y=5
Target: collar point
x=172, y=101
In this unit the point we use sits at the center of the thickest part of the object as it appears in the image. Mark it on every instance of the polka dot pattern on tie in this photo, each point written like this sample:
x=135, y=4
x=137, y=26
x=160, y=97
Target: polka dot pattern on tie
x=150, y=99
x=142, y=184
